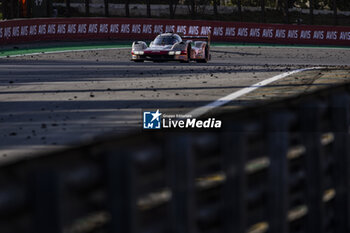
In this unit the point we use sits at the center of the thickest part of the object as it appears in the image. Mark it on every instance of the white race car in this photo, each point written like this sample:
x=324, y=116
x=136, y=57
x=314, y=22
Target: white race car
x=172, y=47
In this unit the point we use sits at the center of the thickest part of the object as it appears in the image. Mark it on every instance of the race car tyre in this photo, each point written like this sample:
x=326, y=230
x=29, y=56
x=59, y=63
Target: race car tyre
x=188, y=55
x=189, y=49
x=139, y=60
x=206, y=55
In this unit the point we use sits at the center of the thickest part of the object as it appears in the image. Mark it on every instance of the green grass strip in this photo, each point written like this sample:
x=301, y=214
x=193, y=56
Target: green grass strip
x=222, y=44
x=13, y=51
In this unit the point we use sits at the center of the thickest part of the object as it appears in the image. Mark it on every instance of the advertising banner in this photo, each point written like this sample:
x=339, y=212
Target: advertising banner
x=57, y=29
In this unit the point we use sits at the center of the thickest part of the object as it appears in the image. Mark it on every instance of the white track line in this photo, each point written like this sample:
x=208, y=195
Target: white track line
x=224, y=100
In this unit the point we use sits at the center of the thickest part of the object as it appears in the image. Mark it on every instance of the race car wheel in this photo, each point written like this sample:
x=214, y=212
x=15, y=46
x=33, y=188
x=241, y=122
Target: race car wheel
x=189, y=49
x=188, y=55
x=206, y=55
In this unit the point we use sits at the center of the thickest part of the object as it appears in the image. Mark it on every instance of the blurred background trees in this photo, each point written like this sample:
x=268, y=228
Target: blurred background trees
x=269, y=11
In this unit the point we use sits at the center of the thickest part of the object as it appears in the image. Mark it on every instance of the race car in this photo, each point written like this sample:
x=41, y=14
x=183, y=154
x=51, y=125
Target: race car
x=172, y=47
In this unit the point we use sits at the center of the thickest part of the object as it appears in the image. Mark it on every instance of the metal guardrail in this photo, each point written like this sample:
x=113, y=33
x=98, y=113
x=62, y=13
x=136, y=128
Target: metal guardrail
x=279, y=168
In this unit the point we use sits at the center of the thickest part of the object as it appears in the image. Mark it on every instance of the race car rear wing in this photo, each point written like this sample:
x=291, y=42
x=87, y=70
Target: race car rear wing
x=196, y=37
x=205, y=38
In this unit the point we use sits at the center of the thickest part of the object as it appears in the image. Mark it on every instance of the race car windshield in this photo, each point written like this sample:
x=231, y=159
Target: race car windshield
x=165, y=40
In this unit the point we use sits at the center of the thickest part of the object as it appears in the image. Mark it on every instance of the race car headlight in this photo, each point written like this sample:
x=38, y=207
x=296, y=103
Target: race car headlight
x=138, y=52
x=171, y=52
x=178, y=52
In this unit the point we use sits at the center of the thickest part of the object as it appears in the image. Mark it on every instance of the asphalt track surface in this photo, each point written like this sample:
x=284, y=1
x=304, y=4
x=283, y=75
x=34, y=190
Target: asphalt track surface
x=49, y=101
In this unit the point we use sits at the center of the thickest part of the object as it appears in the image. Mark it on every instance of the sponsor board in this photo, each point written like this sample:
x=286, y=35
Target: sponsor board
x=17, y=31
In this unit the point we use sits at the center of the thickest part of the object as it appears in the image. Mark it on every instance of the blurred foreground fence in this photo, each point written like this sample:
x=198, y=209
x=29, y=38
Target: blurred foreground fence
x=283, y=167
